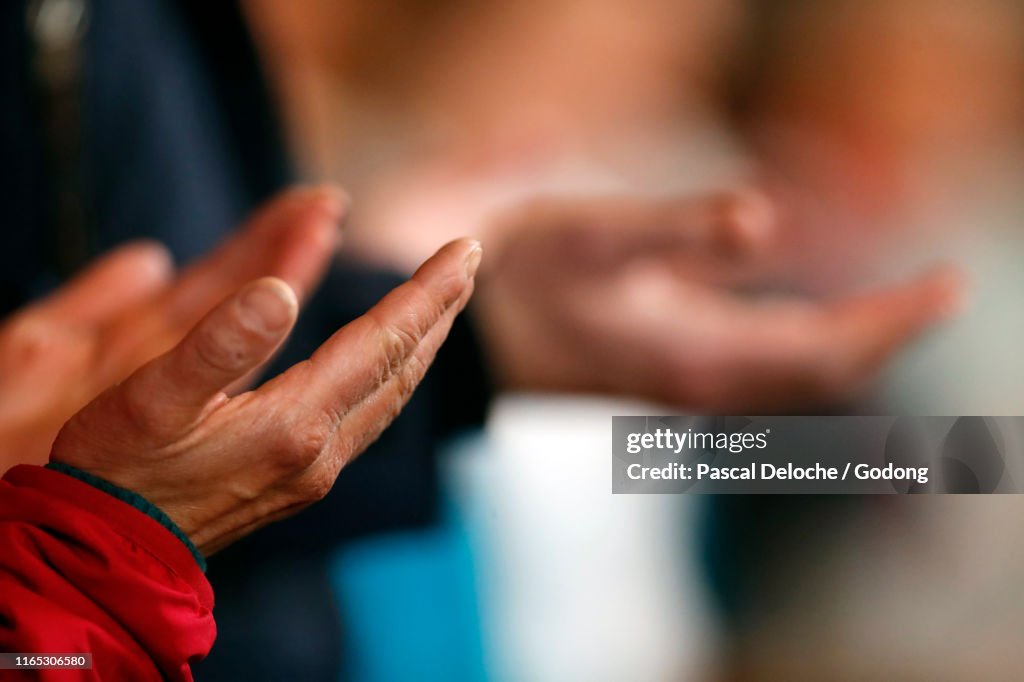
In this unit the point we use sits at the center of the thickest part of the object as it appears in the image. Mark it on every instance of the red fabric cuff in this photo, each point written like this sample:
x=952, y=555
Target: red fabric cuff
x=120, y=518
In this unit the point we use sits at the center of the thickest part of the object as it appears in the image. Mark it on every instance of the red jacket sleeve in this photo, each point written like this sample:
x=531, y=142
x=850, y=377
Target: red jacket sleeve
x=83, y=572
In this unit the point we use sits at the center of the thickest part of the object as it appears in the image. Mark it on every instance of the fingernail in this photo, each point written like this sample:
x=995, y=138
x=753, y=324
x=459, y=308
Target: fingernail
x=267, y=306
x=473, y=260
x=154, y=257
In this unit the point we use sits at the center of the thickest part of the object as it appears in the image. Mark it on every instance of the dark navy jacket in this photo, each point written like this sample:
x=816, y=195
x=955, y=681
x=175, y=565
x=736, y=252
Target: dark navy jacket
x=179, y=142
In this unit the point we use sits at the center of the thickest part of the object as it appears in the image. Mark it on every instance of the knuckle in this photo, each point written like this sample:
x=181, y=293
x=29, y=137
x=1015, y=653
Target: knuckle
x=397, y=343
x=409, y=379
x=318, y=485
x=299, y=447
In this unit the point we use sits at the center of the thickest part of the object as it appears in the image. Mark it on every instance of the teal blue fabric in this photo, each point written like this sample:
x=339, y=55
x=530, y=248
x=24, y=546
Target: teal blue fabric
x=410, y=606
x=133, y=499
x=410, y=600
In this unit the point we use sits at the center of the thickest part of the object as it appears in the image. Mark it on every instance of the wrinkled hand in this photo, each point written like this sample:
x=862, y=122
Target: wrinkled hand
x=221, y=467
x=58, y=354
x=594, y=296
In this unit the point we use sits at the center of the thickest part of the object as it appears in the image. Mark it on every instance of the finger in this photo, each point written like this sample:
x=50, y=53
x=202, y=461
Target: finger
x=873, y=327
x=172, y=392
x=345, y=434
x=292, y=238
x=307, y=250
x=732, y=355
x=374, y=414
x=127, y=276
x=729, y=224
x=395, y=339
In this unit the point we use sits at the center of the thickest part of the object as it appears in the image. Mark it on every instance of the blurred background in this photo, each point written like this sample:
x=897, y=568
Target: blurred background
x=890, y=132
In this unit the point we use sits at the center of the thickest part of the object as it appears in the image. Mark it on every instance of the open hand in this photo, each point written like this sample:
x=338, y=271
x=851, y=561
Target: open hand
x=223, y=466
x=594, y=296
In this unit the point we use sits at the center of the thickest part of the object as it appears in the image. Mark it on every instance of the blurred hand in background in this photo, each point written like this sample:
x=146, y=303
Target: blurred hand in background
x=587, y=296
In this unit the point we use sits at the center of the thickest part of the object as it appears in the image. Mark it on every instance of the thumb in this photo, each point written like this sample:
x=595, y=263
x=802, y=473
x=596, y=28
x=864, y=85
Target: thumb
x=172, y=392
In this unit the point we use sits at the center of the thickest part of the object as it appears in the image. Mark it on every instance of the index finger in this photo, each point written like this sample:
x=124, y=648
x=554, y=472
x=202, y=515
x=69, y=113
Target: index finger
x=395, y=339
